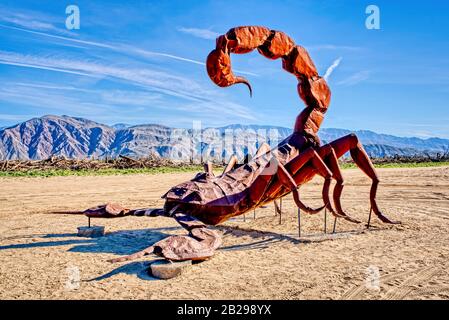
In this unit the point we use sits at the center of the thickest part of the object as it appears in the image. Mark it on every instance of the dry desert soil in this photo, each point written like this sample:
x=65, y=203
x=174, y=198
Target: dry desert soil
x=42, y=257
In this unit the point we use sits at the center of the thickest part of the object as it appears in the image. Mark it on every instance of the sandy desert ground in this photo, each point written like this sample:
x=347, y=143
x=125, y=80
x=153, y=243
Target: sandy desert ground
x=42, y=258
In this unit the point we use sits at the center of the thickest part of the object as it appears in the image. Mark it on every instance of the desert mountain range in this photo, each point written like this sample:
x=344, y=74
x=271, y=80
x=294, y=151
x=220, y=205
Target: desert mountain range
x=40, y=138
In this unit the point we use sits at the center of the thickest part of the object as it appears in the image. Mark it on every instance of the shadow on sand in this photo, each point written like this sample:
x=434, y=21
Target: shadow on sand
x=138, y=268
x=129, y=241
x=120, y=243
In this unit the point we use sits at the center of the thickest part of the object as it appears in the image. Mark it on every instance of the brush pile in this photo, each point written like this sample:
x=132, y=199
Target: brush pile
x=61, y=163
x=125, y=162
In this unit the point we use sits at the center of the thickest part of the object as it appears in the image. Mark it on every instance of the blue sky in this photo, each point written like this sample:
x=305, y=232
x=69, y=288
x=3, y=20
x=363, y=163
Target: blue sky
x=143, y=62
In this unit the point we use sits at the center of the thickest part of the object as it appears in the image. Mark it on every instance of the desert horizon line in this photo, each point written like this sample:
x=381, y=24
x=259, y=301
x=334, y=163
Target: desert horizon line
x=128, y=125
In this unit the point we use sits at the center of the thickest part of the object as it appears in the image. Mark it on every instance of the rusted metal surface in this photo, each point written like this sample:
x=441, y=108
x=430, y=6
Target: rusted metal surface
x=109, y=210
x=209, y=200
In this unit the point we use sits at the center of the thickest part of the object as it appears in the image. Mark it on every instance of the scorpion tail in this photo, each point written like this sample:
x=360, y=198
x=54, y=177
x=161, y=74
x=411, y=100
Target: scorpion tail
x=271, y=44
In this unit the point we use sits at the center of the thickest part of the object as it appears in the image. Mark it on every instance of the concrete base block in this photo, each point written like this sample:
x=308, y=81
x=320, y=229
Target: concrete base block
x=165, y=269
x=91, y=232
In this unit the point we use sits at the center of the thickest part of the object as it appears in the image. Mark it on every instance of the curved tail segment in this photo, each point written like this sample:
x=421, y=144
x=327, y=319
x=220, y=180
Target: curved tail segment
x=272, y=44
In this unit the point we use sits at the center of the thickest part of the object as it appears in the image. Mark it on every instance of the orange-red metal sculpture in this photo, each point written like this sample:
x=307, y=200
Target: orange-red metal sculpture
x=271, y=174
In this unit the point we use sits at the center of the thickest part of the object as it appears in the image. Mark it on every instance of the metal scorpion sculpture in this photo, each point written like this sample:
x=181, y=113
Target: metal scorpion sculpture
x=209, y=200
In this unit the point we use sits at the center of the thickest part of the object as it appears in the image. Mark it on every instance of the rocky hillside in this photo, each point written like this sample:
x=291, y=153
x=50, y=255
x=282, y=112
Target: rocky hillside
x=40, y=138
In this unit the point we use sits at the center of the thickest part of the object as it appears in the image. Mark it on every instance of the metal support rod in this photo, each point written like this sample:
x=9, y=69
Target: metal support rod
x=254, y=214
x=280, y=211
x=299, y=223
x=369, y=217
x=244, y=218
x=325, y=220
x=88, y=222
x=335, y=224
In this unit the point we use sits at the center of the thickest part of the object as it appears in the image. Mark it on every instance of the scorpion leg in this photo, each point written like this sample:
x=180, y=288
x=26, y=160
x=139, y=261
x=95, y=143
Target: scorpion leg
x=199, y=245
x=317, y=163
x=231, y=164
x=330, y=158
x=351, y=143
x=309, y=156
x=263, y=149
x=208, y=168
x=274, y=169
x=289, y=182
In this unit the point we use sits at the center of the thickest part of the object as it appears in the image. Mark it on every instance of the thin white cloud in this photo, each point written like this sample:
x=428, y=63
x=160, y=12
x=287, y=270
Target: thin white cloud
x=118, y=47
x=146, y=53
x=130, y=98
x=116, y=104
x=48, y=86
x=200, y=33
x=332, y=47
x=113, y=97
x=28, y=23
x=59, y=102
x=14, y=117
x=151, y=79
x=331, y=68
x=44, y=34
x=31, y=20
x=145, y=78
x=217, y=109
x=154, y=82
x=355, y=78
x=27, y=65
